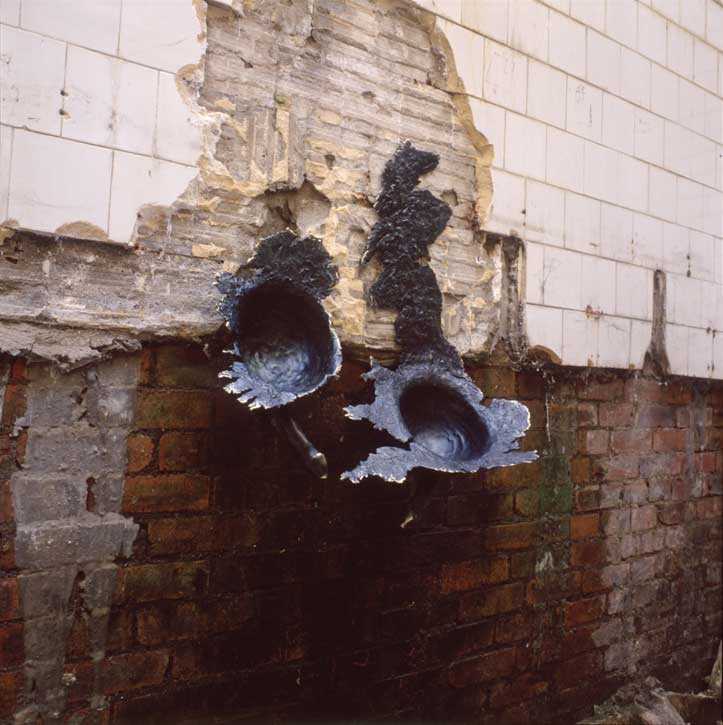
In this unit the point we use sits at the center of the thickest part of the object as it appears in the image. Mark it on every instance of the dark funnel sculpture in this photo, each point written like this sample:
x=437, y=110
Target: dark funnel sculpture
x=428, y=402
x=284, y=345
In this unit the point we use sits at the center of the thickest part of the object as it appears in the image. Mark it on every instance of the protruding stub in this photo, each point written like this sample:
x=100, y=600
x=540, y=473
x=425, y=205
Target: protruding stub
x=314, y=460
x=284, y=345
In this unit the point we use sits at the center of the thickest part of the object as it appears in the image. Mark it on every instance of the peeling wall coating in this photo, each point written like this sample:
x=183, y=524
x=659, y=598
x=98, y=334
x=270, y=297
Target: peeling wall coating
x=294, y=131
x=66, y=498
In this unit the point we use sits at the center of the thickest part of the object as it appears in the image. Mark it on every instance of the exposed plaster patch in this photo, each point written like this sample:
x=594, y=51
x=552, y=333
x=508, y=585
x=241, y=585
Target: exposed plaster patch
x=81, y=230
x=290, y=99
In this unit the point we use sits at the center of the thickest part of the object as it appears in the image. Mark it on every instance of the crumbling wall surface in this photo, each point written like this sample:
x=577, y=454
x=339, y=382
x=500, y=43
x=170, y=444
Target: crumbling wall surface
x=301, y=105
x=525, y=594
x=65, y=471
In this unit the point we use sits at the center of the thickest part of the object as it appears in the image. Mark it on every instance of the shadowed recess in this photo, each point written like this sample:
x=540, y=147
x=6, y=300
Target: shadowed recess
x=283, y=338
x=442, y=421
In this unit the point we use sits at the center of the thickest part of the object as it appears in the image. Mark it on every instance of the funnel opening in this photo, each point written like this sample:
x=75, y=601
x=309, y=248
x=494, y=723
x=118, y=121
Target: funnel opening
x=284, y=338
x=442, y=421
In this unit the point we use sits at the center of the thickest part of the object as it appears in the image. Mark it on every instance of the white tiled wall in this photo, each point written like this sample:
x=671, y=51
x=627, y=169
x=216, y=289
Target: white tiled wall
x=92, y=124
x=606, y=117
x=607, y=122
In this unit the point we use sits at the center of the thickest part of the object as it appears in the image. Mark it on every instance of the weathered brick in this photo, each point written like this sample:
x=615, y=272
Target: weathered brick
x=593, y=442
x=522, y=564
x=601, y=390
x=6, y=503
x=182, y=535
x=11, y=645
x=643, y=517
x=616, y=415
x=553, y=586
x=14, y=404
x=171, y=492
x=182, y=451
x=495, y=382
x=18, y=371
x=630, y=440
x=670, y=439
x=582, y=668
x=705, y=461
x=173, y=409
x=643, y=568
x=595, y=580
x=622, y=466
x=655, y=416
x=584, y=610
x=588, y=552
x=511, y=477
x=583, y=526
x=513, y=627
x=659, y=488
x=538, y=415
x=530, y=384
x=466, y=640
x=173, y=580
x=527, y=502
x=476, y=508
x=527, y=686
x=9, y=602
x=708, y=508
x=140, y=452
x=655, y=391
x=189, y=534
x=661, y=464
x=616, y=521
x=489, y=666
x=7, y=552
x=587, y=499
x=9, y=688
x=466, y=575
x=587, y=415
x=486, y=603
x=635, y=492
x=146, y=365
x=120, y=630
x=580, y=469
x=184, y=366
x=670, y=513
x=510, y=536
x=611, y=495
x=133, y=671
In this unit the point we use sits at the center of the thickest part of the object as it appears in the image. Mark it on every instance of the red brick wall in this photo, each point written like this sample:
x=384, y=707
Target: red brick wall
x=12, y=447
x=526, y=594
